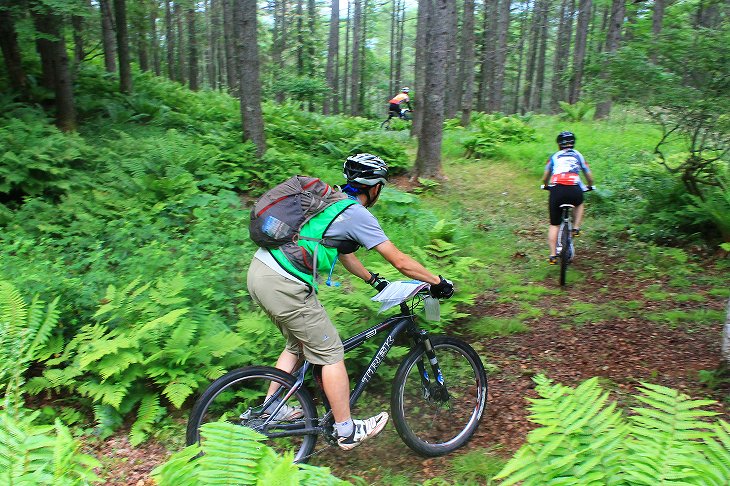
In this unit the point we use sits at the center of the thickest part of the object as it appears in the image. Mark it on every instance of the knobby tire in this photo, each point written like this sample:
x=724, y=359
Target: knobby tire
x=564, y=253
x=436, y=425
x=239, y=390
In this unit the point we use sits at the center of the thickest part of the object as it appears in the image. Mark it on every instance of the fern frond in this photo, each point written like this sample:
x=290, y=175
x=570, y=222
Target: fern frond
x=231, y=454
x=177, y=393
x=148, y=413
x=180, y=469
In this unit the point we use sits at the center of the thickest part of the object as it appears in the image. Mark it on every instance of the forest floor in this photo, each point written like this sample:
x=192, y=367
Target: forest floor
x=605, y=324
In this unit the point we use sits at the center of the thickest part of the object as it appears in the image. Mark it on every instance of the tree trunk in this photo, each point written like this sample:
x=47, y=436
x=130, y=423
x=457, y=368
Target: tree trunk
x=251, y=113
x=11, y=52
x=500, y=57
x=466, y=67
x=532, y=56
x=540, y=75
x=312, y=34
x=154, y=41
x=489, y=50
x=613, y=38
x=55, y=58
x=399, y=35
x=562, y=54
x=329, y=104
x=520, y=56
x=363, y=58
x=428, y=158
x=78, y=35
x=170, y=42
x=450, y=96
x=424, y=7
x=355, y=72
x=657, y=21
x=346, y=66
x=393, y=23
x=125, y=71
x=229, y=40
x=300, y=37
x=192, y=50
x=579, y=52
x=139, y=26
x=108, y=36
x=180, y=67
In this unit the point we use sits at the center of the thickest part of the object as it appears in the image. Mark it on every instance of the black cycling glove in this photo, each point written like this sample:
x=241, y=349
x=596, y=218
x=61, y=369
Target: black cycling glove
x=377, y=282
x=442, y=290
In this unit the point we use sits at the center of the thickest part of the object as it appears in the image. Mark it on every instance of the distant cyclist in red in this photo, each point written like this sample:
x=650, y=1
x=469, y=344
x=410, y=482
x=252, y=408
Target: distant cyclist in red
x=397, y=101
x=562, y=178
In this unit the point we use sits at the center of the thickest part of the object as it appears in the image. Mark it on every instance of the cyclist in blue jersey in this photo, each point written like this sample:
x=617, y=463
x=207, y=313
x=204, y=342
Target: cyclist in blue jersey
x=562, y=178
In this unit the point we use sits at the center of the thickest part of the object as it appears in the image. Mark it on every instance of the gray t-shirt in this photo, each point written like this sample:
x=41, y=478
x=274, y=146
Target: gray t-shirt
x=357, y=224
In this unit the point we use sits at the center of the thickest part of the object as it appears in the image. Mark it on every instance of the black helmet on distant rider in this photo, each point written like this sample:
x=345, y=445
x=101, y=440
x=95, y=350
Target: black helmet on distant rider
x=566, y=140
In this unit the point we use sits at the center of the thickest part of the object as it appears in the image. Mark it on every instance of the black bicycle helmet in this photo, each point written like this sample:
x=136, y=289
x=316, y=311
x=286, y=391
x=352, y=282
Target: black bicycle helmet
x=566, y=139
x=366, y=169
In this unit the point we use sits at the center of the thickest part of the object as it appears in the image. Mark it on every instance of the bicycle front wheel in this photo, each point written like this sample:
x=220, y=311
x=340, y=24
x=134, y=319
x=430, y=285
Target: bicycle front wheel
x=433, y=417
x=385, y=125
x=239, y=396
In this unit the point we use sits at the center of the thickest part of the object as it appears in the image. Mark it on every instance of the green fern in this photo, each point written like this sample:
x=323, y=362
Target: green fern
x=41, y=454
x=237, y=455
x=585, y=440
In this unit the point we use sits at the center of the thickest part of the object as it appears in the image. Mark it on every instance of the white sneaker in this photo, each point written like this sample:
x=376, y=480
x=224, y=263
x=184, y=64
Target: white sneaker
x=363, y=430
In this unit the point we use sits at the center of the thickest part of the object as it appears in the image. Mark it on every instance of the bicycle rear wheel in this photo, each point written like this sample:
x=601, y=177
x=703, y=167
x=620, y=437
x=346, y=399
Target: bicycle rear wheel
x=237, y=397
x=565, y=256
x=437, y=418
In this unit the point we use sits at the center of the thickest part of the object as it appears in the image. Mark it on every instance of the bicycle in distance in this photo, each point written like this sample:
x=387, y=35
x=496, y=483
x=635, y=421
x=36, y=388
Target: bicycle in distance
x=404, y=114
x=566, y=248
x=438, y=395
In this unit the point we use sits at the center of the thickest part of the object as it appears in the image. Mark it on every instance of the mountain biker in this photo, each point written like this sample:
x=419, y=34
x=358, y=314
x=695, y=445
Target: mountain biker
x=291, y=301
x=562, y=178
x=397, y=101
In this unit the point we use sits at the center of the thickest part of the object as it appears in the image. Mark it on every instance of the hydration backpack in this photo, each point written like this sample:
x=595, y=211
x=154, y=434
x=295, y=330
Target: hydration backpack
x=278, y=215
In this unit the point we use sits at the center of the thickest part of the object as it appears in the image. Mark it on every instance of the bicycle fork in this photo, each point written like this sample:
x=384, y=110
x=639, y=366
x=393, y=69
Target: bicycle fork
x=431, y=390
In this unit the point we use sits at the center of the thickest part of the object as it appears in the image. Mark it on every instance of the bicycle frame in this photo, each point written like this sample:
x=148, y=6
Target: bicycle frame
x=405, y=321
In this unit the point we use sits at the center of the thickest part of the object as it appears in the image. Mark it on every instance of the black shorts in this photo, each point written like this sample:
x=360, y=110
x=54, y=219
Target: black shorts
x=560, y=194
x=394, y=109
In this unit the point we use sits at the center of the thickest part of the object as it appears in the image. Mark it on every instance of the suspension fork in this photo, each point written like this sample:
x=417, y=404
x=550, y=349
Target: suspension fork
x=426, y=380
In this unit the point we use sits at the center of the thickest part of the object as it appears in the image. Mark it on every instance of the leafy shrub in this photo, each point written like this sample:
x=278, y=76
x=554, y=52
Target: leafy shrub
x=714, y=209
x=584, y=439
x=36, y=158
x=575, y=112
x=146, y=344
x=490, y=131
x=390, y=150
x=236, y=455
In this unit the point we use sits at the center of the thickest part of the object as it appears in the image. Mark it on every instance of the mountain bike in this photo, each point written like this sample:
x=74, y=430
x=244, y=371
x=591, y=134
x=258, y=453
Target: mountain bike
x=565, y=248
x=403, y=115
x=437, y=400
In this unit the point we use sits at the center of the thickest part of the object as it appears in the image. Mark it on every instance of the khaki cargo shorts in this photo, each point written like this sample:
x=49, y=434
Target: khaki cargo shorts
x=297, y=313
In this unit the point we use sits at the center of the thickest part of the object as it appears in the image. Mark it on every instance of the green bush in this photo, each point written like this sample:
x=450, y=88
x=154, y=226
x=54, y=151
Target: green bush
x=489, y=131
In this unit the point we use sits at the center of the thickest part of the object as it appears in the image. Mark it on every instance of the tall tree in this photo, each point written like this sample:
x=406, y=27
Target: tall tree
x=562, y=54
x=11, y=51
x=428, y=158
x=579, y=50
x=331, y=102
x=228, y=45
x=192, y=49
x=355, y=76
x=451, y=100
x=466, y=66
x=177, y=13
x=346, y=66
x=541, y=54
x=108, y=36
x=489, y=52
x=419, y=67
x=520, y=56
x=52, y=47
x=125, y=69
x=500, y=57
x=657, y=22
x=248, y=48
x=532, y=55
x=170, y=41
x=154, y=41
x=613, y=38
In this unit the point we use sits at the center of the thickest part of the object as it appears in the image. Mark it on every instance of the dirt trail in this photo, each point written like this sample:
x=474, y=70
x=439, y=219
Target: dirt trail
x=624, y=349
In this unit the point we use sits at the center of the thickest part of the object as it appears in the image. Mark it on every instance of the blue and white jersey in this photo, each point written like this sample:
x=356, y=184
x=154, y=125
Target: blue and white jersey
x=565, y=166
